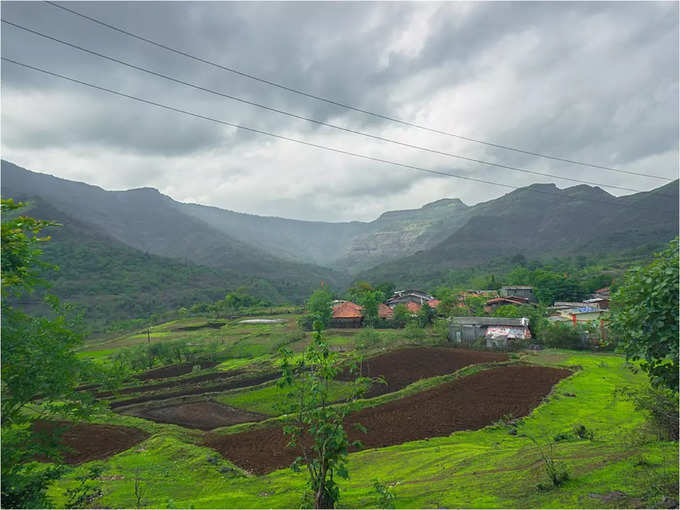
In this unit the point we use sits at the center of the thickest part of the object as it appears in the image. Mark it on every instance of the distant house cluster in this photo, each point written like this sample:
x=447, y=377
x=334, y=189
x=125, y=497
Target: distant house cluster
x=347, y=314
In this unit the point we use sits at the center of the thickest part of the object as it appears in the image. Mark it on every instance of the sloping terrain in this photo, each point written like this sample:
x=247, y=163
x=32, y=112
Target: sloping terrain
x=542, y=221
x=469, y=403
x=150, y=223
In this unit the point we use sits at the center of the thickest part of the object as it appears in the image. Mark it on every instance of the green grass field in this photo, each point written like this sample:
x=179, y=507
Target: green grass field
x=500, y=466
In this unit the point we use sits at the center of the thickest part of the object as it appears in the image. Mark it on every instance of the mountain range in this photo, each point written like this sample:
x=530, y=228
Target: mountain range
x=287, y=258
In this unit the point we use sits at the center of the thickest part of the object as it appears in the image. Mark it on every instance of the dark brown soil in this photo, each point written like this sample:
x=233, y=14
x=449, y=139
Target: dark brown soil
x=239, y=383
x=173, y=370
x=172, y=384
x=405, y=366
x=205, y=415
x=469, y=403
x=90, y=441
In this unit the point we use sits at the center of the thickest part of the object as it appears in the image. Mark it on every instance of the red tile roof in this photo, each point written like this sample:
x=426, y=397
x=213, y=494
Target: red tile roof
x=347, y=310
x=413, y=307
x=385, y=312
x=433, y=303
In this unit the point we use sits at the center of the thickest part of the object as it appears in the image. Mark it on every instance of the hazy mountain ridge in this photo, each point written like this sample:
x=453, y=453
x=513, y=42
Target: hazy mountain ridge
x=537, y=221
x=541, y=221
x=342, y=245
x=150, y=222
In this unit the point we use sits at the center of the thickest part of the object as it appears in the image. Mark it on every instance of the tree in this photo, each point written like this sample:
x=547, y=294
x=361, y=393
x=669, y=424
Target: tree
x=509, y=311
x=370, y=301
x=426, y=315
x=38, y=361
x=401, y=315
x=318, y=429
x=319, y=306
x=644, y=317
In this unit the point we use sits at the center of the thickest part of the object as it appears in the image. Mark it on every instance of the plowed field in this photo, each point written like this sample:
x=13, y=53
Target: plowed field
x=91, y=441
x=205, y=415
x=405, y=366
x=469, y=403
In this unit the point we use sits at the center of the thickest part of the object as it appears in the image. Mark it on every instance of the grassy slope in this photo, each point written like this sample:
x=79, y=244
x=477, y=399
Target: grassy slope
x=486, y=468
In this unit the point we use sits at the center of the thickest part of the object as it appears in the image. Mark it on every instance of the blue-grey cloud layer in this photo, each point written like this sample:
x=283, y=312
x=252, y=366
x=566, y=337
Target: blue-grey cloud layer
x=590, y=81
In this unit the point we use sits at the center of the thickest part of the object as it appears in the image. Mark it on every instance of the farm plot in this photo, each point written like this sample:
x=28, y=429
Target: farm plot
x=405, y=366
x=230, y=382
x=469, y=403
x=173, y=370
x=89, y=441
x=205, y=415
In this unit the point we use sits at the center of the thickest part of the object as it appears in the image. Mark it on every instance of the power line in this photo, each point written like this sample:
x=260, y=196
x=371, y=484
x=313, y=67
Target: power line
x=318, y=122
x=282, y=137
x=347, y=106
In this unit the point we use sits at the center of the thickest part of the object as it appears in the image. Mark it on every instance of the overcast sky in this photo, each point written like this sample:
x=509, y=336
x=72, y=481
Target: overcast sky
x=596, y=82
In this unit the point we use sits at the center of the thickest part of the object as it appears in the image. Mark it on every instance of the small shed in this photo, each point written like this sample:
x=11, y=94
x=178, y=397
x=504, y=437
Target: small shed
x=499, y=332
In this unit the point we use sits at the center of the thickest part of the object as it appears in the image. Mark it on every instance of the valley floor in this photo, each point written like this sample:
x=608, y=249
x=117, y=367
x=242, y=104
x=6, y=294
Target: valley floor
x=498, y=466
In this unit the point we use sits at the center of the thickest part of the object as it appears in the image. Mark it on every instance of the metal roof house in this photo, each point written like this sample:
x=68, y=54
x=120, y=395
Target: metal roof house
x=523, y=291
x=498, y=332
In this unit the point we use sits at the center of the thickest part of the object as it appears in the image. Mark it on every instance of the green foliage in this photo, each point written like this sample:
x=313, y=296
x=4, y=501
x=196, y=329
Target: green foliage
x=645, y=317
x=318, y=428
x=413, y=331
x=38, y=362
x=659, y=403
x=367, y=339
x=426, y=315
x=509, y=311
x=87, y=489
x=556, y=470
x=369, y=298
x=20, y=254
x=561, y=335
x=441, y=330
x=401, y=315
x=24, y=481
x=319, y=306
x=385, y=494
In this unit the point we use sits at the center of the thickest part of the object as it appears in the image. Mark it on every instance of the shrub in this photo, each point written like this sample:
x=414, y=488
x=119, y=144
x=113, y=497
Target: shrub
x=661, y=406
x=305, y=322
x=441, y=330
x=562, y=335
x=367, y=338
x=385, y=494
x=413, y=331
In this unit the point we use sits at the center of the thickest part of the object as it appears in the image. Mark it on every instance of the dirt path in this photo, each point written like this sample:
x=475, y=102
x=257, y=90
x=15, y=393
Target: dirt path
x=469, y=403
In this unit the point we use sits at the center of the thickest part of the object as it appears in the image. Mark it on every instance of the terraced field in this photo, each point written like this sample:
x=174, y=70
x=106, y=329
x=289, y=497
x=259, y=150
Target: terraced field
x=439, y=433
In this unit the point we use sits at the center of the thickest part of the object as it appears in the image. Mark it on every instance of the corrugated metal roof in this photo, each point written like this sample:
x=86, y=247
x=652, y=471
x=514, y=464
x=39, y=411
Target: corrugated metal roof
x=490, y=321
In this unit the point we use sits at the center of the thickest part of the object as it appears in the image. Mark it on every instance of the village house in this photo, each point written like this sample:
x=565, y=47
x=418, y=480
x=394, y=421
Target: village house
x=498, y=332
x=403, y=297
x=347, y=315
x=523, y=291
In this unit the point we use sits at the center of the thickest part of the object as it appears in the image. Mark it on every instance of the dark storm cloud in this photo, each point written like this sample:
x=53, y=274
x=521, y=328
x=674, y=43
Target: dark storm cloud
x=591, y=81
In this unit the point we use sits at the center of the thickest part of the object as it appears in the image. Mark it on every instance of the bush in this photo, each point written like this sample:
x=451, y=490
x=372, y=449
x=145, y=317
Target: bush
x=305, y=322
x=660, y=404
x=367, y=338
x=413, y=331
x=562, y=335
